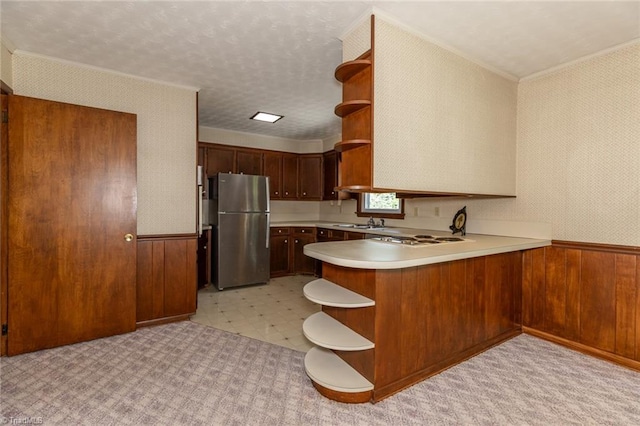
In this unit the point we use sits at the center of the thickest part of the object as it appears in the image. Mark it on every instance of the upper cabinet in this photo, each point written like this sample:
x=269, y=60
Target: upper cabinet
x=419, y=119
x=310, y=176
x=291, y=176
x=220, y=160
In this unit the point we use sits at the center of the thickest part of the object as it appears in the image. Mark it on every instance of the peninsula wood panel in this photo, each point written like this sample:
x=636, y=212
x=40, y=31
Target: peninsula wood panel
x=166, y=277
x=587, y=294
x=430, y=317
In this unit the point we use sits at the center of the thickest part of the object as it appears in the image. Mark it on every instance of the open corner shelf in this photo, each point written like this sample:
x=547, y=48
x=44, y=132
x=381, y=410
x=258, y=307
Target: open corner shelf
x=348, y=69
x=351, y=144
x=327, y=293
x=327, y=332
x=349, y=107
x=327, y=369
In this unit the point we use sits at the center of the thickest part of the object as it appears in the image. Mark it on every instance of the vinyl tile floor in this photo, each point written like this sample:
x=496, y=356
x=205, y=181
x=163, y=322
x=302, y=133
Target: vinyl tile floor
x=272, y=312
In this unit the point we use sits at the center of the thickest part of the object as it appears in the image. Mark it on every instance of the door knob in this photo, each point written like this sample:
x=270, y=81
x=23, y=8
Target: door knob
x=128, y=237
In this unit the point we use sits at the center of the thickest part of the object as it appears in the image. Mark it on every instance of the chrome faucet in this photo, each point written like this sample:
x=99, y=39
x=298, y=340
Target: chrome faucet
x=382, y=223
x=371, y=222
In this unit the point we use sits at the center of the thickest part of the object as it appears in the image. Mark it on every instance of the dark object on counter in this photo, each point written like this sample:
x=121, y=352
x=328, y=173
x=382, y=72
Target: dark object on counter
x=460, y=222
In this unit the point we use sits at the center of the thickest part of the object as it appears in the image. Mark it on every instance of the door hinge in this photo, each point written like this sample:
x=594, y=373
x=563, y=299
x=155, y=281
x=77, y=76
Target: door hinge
x=5, y=116
x=5, y=329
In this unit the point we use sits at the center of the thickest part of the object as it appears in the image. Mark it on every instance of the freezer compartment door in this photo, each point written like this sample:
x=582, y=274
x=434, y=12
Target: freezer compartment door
x=242, y=193
x=242, y=249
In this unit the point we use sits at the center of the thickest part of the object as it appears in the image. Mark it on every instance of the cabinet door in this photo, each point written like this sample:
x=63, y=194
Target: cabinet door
x=249, y=162
x=279, y=255
x=310, y=177
x=302, y=264
x=290, y=176
x=329, y=175
x=272, y=167
x=220, y=160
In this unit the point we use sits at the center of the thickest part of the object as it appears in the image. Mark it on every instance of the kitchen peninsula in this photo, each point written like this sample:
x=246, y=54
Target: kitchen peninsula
x=393, y=315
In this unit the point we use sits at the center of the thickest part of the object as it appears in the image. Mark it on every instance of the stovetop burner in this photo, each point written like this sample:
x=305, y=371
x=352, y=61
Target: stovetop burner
x=417, y=240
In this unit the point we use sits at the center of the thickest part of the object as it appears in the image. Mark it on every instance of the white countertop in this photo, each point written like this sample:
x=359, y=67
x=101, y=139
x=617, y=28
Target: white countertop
x=372, y=254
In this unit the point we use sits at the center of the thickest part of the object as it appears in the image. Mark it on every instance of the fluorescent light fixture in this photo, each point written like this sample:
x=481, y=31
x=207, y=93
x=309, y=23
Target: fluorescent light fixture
x=265, y=116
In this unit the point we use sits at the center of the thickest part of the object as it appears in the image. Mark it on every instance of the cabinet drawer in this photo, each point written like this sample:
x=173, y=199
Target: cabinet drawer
x=305, y=230
x=336, y=235
x=280, y=230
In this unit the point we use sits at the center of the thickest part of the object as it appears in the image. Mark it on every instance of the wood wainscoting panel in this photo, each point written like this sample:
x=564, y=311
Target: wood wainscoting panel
x=584, y=293
x=166, y=278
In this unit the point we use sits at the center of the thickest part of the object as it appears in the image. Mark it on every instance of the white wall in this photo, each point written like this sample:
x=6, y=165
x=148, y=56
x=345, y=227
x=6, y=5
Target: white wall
x=6, y=69
x=166, y=115
x=578, y=161
x=441, y=122
x=251, y=140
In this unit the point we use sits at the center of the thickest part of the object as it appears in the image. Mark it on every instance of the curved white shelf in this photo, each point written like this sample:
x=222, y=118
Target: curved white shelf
x=325, y=331
x=327, y=293
x=327, y=369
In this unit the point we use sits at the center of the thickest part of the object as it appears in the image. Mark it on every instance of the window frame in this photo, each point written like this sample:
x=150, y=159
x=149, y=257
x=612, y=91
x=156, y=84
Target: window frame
x=378, y=214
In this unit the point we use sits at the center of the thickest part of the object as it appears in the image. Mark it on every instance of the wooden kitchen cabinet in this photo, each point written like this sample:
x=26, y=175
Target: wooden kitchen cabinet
x=310, y=176
x=287, y=251
x=329, y=175
x=303, y=264
x=220, y=160
x=280, y=253
x=249, y=162
x=289, y=176
x=272, y=167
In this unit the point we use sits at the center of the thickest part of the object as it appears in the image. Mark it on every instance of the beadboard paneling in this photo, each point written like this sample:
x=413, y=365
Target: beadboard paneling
x=585, y=294
x=166, y=283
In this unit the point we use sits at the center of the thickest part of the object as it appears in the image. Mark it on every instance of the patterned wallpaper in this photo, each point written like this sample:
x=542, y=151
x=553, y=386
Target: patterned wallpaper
x=251, y=140
x=166, y=131
x=448, y=122
x=6, y=71
x=357, y=41
x=577, y=159
x=579, y=149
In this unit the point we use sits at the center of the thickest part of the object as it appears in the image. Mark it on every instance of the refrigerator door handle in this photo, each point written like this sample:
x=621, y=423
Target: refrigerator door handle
x=199, y=210
x=266, y=192
x=268, y=230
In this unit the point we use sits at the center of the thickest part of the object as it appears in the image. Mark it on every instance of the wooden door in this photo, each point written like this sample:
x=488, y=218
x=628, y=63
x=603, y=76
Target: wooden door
x=72, y=200
x=303, y=264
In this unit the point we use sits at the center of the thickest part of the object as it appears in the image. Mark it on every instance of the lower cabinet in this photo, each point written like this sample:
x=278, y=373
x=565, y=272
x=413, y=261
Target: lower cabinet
x=287, y=251
x=166, y=284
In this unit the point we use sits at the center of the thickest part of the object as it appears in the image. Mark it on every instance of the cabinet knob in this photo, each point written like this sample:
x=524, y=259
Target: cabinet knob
x=296, y=241
x=276, y=192
x=280, y=231
x=286, y=241
x=128, y=237
x=303, y=231
x=304, y=193
x=286, y=193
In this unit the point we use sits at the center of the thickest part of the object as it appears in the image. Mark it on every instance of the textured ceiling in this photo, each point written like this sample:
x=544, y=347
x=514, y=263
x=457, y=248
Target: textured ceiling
x=280, y=56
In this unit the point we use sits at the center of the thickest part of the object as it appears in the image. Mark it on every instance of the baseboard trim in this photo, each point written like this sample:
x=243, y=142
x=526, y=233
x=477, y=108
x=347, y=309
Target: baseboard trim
x=165, y=320
x=587, y=350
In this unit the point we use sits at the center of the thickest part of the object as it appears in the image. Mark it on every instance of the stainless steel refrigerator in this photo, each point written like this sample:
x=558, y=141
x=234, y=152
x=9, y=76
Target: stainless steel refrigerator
x=239, y=215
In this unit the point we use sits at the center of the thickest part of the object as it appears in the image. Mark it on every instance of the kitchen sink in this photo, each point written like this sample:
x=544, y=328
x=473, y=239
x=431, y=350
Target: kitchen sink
x=355, y=226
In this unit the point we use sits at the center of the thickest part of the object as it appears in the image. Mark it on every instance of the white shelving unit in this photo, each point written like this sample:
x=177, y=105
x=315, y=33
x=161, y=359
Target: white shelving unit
x=322, y=365
x=327, y=369
x=326, y=293
x=327, y=332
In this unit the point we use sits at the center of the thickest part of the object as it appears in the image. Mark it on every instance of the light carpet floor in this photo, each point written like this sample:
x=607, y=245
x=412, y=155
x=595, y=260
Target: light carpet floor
x=187, y=373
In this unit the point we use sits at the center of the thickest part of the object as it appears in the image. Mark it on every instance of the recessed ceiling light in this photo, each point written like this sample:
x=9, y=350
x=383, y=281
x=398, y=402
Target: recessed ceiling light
x=265, y=116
